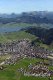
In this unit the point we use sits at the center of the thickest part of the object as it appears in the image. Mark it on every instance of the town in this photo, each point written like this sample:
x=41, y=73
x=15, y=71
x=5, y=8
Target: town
x=24, y=49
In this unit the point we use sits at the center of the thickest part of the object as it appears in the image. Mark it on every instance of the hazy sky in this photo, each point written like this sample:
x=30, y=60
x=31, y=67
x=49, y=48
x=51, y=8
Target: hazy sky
x=17, y=6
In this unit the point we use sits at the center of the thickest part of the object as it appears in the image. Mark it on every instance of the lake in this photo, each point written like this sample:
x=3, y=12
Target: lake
x=9, y=29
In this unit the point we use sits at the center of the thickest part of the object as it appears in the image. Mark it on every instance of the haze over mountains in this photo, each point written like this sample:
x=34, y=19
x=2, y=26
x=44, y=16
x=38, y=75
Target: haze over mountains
x=28, y=17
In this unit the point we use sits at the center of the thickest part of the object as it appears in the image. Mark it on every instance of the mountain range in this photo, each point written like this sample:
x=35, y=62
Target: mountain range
x=28, y=17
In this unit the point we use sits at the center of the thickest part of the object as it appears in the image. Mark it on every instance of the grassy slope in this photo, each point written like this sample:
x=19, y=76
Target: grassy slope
x=16, y=24
x=16, y=36
x=12, y=24
x=11, y=71
x=20, y=35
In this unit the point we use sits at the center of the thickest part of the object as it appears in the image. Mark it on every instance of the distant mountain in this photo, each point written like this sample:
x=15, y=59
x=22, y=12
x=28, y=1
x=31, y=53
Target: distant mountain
x=13, y=15
x=28, y=17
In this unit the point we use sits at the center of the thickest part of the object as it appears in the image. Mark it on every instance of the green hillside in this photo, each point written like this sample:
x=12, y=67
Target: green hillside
x=10, y=72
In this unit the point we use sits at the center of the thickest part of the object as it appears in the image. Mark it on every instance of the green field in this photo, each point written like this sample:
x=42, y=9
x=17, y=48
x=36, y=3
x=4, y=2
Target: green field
x=16, y=36
x=8, y=37
x=11, y=71
x=13, y=24
x=16, y=24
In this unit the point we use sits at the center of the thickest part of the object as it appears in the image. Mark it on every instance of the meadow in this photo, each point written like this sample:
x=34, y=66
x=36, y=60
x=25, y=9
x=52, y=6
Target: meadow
x=11, y=71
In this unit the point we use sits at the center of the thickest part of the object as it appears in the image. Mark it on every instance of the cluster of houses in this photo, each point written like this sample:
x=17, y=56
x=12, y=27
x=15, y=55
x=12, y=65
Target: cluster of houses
x=38, y=70
x=13, y=47
x=23, y=48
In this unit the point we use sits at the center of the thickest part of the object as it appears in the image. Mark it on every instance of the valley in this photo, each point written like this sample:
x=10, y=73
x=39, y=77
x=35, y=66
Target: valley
x=26, y=47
